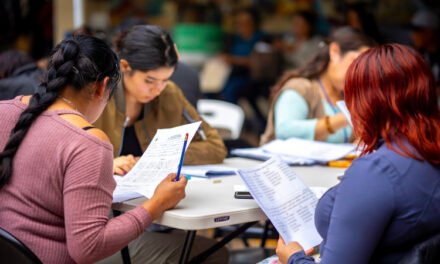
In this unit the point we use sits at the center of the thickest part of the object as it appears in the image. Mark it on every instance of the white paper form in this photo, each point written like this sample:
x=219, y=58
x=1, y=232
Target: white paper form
x=343, y=107
x=319, y=151
x=285, y=199
x=161, y=158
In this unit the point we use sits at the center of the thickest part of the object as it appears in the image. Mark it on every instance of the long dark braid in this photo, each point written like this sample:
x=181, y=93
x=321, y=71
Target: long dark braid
x=76, y=62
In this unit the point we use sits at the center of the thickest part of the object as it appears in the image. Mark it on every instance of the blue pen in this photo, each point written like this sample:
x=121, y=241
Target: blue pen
x=181, y=157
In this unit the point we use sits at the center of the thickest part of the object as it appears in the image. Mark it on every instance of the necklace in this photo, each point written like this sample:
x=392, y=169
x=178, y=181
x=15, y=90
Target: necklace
x=326, y=96
x=67, y=101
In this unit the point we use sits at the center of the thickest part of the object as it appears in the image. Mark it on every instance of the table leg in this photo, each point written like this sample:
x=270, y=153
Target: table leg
x=205, y=254
x=187, y=245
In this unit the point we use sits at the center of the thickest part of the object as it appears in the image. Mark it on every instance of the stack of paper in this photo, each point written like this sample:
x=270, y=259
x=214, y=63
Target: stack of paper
x=307, y=149
x=261, y=154
x=295, y=151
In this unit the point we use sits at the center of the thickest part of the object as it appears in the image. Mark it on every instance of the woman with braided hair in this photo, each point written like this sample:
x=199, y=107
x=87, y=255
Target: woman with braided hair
x=56, y=169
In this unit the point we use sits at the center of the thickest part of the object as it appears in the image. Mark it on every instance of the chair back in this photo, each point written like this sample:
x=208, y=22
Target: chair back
x=226, y=117
x=426, y=252
x=13, y=251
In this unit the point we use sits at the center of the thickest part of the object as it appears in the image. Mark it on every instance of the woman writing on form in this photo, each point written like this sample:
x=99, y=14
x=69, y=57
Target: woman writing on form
x=56, y=194
x=304, y=100
x=368, y=218
x=145, y=100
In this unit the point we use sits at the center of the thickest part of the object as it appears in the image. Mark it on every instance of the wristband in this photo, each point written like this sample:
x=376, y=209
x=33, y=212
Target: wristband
x=328, y=126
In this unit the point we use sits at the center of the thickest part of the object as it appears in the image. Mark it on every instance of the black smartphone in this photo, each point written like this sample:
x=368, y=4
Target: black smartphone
x=243, y=195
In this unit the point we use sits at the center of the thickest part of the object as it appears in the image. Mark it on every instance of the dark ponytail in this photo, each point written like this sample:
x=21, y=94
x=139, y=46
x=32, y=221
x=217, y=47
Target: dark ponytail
x=146, y=47
x=76, y=62
x=348, y=39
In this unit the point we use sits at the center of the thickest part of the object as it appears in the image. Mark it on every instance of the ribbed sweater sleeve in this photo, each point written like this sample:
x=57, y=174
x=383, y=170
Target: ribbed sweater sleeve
x=88, y=187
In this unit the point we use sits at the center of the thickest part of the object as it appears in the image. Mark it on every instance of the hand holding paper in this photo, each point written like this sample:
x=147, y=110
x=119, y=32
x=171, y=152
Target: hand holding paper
x=166, y=196
x=284, y=251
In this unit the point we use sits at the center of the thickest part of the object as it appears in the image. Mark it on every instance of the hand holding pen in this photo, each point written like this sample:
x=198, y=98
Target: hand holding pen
x=167, y=195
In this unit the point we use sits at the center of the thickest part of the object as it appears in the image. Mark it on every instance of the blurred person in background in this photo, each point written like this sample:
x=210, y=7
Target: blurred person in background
x=303, y=101
x=238, y=50
x=19, y=74
x=360, y=17
x=300, y=47
x=425, y=39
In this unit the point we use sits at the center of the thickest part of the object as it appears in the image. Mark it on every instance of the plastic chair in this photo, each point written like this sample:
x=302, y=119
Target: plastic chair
x=226, y=117
x=14, y=251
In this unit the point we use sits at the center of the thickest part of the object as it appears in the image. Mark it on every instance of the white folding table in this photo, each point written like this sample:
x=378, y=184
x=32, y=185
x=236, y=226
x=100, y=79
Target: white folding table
x=210, y=203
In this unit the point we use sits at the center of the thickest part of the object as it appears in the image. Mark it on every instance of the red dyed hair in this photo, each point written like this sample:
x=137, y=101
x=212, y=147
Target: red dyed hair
x=390, y=92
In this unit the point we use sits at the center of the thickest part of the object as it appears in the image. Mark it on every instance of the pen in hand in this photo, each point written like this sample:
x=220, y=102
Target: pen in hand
x=179, y=167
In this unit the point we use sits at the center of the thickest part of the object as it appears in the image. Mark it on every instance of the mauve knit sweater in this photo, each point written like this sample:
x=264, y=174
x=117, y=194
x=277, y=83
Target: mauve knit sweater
x=60, y=194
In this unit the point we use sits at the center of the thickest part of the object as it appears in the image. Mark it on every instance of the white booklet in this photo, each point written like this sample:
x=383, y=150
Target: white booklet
x=308, y=149
x=161, y=158
x=206, y=171
x=261, y=154
x=285, y=199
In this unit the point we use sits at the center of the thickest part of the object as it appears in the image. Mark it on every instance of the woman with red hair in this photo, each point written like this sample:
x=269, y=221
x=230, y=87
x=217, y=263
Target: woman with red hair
x=388, y=200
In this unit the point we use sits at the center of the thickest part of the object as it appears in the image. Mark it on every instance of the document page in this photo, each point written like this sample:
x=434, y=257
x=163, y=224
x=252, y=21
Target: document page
x=285, y=199
x=161, y=158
